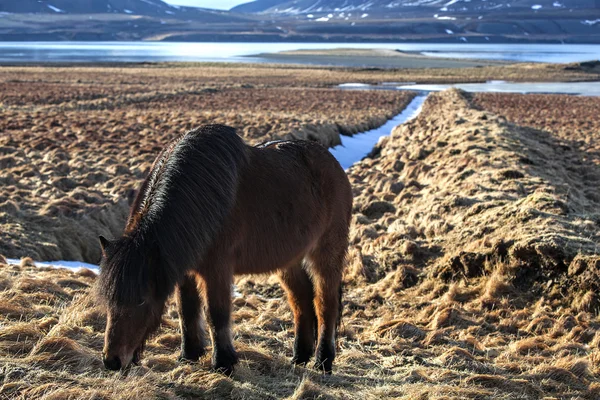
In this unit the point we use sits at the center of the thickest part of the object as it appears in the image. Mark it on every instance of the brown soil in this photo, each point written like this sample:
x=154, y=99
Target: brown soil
x=570, y=118
x=472, y=274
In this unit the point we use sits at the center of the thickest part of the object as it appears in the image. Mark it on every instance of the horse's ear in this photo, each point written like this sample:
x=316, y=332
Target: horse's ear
x=104, y=243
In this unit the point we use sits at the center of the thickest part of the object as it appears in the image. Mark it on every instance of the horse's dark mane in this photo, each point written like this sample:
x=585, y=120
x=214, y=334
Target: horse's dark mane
x=195, y=178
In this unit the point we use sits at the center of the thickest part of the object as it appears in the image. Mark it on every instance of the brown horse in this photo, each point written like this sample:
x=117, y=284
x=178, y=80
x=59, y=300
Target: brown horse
x=213, y=207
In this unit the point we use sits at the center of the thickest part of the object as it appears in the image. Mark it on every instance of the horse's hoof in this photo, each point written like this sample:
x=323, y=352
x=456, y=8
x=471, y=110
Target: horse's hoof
x=225, y=370
x=324, y=366
x=224, y=362
x=300, y=360
x=302, y=354
x=191, y=356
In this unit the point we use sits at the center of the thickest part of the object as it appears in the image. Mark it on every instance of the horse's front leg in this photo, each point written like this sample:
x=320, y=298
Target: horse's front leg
x=217, y=291
x=191, y=320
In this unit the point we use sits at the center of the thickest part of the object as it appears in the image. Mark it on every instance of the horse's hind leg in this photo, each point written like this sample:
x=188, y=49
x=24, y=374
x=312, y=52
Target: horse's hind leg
x=327, y=263
x=218, y=297
x=191, y=319
x=300, y=293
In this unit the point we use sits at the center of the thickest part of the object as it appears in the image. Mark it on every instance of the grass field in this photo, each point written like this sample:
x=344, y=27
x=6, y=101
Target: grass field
x=473, y=266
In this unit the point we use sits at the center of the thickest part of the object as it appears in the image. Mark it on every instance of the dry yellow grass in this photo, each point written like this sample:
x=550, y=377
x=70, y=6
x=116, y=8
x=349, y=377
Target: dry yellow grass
x=472, y=275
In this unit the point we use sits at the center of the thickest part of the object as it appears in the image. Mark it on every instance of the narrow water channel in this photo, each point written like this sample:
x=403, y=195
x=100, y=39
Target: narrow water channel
x=354, y=148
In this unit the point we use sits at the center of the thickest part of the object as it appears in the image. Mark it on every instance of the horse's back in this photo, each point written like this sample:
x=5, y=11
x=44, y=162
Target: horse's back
x=290, y=194
x=313, y=165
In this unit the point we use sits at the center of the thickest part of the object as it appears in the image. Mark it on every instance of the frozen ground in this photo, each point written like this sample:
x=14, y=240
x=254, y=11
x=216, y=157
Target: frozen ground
x=574, y=88
x=71, y=265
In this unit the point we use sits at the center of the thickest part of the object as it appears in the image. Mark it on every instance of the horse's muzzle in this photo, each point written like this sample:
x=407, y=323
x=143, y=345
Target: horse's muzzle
x=113, y=364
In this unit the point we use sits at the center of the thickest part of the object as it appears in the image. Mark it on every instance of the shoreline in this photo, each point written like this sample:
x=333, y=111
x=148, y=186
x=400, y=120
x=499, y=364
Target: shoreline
x=375, y=58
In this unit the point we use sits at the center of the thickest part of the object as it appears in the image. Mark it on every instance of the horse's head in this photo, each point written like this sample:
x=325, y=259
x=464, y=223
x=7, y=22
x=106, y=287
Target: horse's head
x=134, y=306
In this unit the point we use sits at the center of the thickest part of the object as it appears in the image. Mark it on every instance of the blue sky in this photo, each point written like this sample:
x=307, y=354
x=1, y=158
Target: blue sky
x=218, y=4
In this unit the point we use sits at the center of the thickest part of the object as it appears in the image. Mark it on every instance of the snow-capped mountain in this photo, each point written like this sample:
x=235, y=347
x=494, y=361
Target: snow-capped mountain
x=447, y=21
x=295, y=7
x=142, y=7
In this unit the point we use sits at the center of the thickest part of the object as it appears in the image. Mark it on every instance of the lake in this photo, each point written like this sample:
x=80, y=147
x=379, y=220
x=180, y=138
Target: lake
x=81, y=52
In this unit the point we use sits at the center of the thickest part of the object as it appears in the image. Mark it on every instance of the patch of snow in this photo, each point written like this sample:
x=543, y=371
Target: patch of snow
x=329, y=15
x=322, y=19
x=169, y=12
x=354, y=85
x=312, y=8
x=126, y=11
x=310, y=16
x=55, y=9
x=365, y=15
x=444, y=18
x=575, y=88
x=451, y=2
x=70, y=265
x=464, y=39
x=235, y=292
x=557, y=4
x=365, y=7
x=396, y=83
x=536, y=7
x=590, y=23
x=291, y=10
x=449, y=32
x=444, y=9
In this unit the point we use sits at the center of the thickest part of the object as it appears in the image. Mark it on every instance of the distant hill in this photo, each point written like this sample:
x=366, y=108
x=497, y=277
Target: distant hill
x=155, y=8
x=113, y=20
x=479, y=21
x=440, y=21
x=144, y=7
x=295, y=7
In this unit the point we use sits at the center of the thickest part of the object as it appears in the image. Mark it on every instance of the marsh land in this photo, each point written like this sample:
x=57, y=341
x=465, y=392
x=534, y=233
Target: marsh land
x=473, y=266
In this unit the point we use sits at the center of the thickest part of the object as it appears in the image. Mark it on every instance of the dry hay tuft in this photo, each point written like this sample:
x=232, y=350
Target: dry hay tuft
x=18, y=339
x=62, y=353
